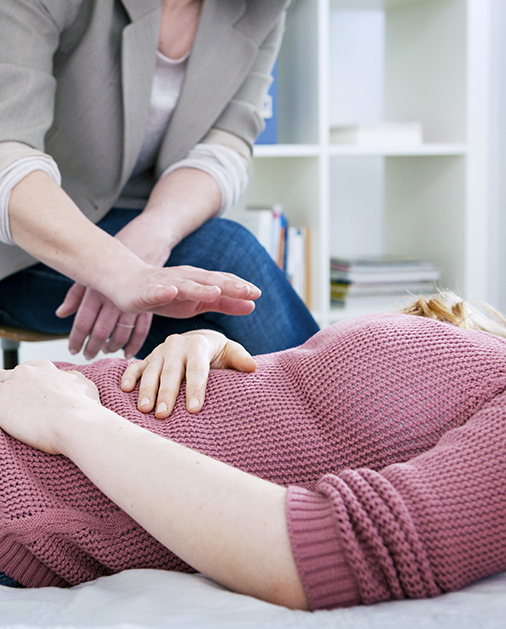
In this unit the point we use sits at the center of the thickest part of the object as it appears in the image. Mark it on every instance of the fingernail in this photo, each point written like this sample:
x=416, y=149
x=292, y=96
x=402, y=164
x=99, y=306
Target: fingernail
x=193, y=404
x=125, y=383
x=162, y=407
x=129, y=356
x=144, y=402
x=73, y=351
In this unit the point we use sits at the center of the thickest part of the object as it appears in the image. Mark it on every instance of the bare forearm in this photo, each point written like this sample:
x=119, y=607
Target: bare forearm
x=225, y=523
x=179, y=204
x=45, y=222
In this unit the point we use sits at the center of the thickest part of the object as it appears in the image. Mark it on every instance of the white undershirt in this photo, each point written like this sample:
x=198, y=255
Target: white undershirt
x=167, y=84
x=224, y=164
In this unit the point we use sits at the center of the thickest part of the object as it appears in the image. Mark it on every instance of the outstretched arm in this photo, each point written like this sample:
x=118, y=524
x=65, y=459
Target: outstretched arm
x=225, y=523
x=46, y=223
x=179, y=204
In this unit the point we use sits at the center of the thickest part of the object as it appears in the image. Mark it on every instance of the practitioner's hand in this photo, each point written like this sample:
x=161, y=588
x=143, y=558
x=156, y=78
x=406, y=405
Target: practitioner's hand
x=189, y=355
x=106, y=327
x=36, y=397
x=178, y=292
x=184, y=291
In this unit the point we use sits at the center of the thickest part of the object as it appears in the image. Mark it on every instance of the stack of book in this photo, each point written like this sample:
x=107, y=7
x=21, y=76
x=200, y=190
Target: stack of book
x=371, y=280
x=287, y=245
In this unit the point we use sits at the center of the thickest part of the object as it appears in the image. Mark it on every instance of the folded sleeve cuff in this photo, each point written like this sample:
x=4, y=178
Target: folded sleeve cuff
x=17, y=562
x=326, y=577
x=227, y=167
x=11, y=176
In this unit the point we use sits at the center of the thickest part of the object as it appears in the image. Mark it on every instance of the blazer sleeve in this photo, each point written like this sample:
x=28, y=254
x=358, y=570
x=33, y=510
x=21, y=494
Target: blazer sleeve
x=433, y=524
x=29, y=37
x=243, y=114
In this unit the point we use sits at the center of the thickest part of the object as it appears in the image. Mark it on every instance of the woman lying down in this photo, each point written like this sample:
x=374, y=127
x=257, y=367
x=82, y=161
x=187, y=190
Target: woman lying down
x=367, y=464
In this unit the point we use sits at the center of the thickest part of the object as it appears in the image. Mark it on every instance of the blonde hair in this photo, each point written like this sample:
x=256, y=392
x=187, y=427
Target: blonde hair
x=450, y=308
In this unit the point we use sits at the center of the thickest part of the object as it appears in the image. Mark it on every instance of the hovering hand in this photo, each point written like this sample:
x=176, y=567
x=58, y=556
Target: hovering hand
x=185, y=291
x=125, y=319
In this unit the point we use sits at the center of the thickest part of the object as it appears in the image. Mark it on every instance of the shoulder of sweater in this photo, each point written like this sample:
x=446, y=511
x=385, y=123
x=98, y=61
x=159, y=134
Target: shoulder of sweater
x=386, y=323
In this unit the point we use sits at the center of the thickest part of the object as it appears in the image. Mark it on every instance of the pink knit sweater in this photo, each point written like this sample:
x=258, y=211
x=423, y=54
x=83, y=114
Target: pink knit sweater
x=390, y=429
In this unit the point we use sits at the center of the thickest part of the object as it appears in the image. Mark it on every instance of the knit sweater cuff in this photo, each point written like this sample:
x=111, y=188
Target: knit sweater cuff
x=324, y=572
x=19, y=564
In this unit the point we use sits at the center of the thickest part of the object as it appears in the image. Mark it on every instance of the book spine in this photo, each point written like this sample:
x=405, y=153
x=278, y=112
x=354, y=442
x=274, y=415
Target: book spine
x=287, y=245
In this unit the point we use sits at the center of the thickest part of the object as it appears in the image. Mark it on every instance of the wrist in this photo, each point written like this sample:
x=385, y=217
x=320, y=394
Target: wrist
x=181, y=202
x=150, y=236
x=88, y=421
x=113, y=268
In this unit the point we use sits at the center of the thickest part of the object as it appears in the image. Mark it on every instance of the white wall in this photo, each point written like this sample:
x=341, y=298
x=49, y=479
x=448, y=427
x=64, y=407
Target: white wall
x=56, y=351
x=497, y=259
x=357, y=52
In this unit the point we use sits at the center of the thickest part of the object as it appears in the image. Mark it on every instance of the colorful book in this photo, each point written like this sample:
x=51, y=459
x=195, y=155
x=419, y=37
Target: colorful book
x=287, y=245
x=297, y=263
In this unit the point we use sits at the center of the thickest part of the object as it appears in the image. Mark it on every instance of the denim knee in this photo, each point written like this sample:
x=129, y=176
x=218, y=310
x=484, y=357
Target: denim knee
x=221, y=245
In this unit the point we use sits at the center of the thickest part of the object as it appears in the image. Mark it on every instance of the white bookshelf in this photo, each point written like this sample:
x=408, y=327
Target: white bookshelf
x=431, y=63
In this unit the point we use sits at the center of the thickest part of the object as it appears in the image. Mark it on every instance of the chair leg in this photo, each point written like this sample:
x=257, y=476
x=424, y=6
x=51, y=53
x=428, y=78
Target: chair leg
x=10, y=353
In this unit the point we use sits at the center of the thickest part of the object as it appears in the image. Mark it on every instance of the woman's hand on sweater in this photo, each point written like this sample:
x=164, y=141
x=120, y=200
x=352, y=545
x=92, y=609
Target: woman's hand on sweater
x=189, y=355
x=36, y=397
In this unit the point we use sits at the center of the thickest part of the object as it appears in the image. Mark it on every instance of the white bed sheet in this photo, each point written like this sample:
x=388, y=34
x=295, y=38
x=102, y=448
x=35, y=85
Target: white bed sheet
x=153, y=599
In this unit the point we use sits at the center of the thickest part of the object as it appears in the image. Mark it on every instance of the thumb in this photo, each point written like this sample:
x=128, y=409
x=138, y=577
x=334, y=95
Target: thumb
x=239, y=359
x=72, y=301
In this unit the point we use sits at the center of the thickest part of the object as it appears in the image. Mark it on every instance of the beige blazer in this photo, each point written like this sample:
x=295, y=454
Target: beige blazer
x=75, y=83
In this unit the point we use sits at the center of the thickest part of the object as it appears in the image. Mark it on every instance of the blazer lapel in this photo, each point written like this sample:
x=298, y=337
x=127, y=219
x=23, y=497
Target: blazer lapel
x=220, y=59
x=138, y=59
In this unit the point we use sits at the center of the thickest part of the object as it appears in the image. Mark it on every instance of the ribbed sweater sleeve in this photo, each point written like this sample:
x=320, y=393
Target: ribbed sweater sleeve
x=433, y=524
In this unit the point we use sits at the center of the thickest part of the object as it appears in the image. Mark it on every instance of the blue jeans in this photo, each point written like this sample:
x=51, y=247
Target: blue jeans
x=29, y=298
